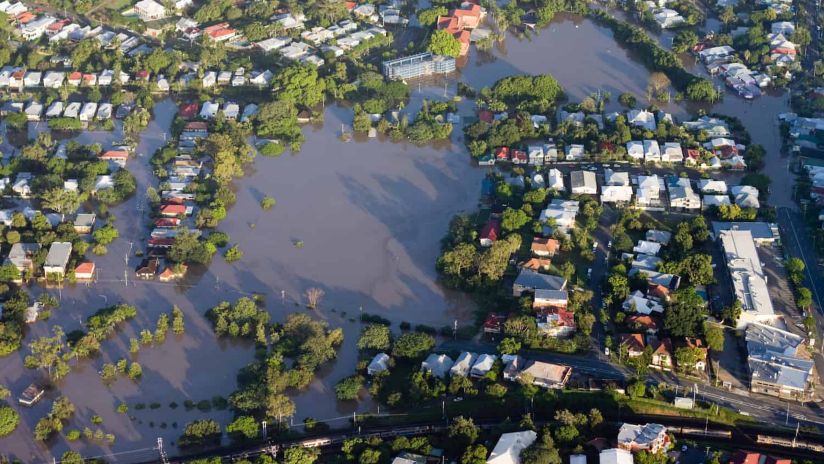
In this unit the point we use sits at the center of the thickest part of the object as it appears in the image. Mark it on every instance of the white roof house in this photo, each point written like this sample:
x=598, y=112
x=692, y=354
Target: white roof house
x=509, y=447
x=715, y=200
x=273, y=44
x=32, y=79
x=684, y=198
x=555, y=180
x=55, y=109
x=748, y=279
x=53, y=79
x=635, y=149
x=483, y=365
x=672, y=153
x=34, y=111
x=379, y=363
x=616, y=194
x=463, y=364
x=652, y=152
x=616, y=178
x=583, y=182
x=88, y=111
x=649, y=190
x=72, y=110
x=615, y=456
x=149, y=10
x=437, y=364
x=209, y=110
x=57, y=258
x=712, y=186
x=641, y=118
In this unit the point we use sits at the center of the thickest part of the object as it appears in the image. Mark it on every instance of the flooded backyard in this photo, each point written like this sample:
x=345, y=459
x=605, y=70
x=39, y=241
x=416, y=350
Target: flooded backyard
x=370, y=214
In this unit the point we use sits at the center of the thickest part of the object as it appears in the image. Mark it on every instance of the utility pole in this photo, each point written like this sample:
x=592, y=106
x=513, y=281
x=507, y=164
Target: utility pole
x=787, y=420
x=797, y=426
x=163, y=456
x=263, y=428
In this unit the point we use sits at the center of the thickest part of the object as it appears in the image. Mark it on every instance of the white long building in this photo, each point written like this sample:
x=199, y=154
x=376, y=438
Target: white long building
x=748, y=279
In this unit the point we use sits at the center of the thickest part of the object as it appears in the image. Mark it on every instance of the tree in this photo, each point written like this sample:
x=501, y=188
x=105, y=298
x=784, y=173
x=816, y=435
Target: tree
x=61, y=200
x=413, y=345
x=509, y=346
x=627, y=99
x=178, y=325
x=233, y=254
x=543, y=451
x=300, y=83
x=429, y=16
x=300, y=455
x=200, y=432
x=348, y=387
x=474, y=454
x=684, y=40
x=732, y=313
x=313, y=297
x=702, y=90
x=462, y=432
x=803, y=297
x=267, y=203
x=135, y=371
x=8, y=420
x=442, y=42
x=47, y=353
x=637, y=389
x=513, y=219
x=685, y=313
x=375, y=337
x=687, y=356
x=106, y=234
x=727, y=16
x=714, y=335
x=244, y=427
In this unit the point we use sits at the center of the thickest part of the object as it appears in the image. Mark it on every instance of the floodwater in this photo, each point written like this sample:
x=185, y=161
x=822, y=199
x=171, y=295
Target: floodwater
x=370, y=214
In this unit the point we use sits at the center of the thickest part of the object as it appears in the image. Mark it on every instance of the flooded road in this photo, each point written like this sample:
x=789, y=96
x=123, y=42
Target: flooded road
x=370, y=215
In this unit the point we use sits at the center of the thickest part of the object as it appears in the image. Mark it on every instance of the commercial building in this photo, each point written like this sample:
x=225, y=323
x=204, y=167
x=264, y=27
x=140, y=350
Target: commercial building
x=749, y=283
x=422, y=64
x=773, y=361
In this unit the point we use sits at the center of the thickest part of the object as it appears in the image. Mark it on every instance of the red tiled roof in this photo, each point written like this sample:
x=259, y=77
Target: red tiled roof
x=196, y=125
x=167, y=222
x=114, y=155
x=24, y=17
x=84, y=268
x=663, y=347
x=486, y=116
x=548, y=245
x=491, y=230
x=494, y=321
x=221, y=33
x=634, y=342
x=560, y=316
x=350, y=5
x=89, y=77
x=189, y=110
x=744, y=457
x=75, y=76
x=161, y=242
x=502, y=153
x=215, y=27
x=173, y=209
x=644, y=321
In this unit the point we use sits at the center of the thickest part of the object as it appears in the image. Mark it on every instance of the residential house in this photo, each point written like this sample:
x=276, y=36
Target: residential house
x=647, y=437
x=575, y=152
x=544, y=247
x=698, y=346
x=643, y=322
x=31, y=394
x=637, y=302
x=715, y=200
x=555, y=180
x=634, y=344
x=672, y=153
x=658, y=236
x=662, y=354
x=618, y=179
x=530, y=281
x=88, y=111
x=583, y=182
x=537, y=264
x=494, y=323
x=379, y=363
x=209, y=110
x=463, y=364
x=548, y=299
x=635, y=150
x=483, y=364
x=84, y=271
x=116, y=158
x=55, y=109
x=21, y=256
x=32, y=79
x=84, y=223
x=545, y=374
x=149, y=10
x=711, y=186
x=556, y=322
x=684, y=199
x=490, y=232
x=615, y=456
x=561, y=213
x=652, y=152
x=510, y=446
x=641, y=118
x=57, y=259
x=648, y=192
x=617, y=194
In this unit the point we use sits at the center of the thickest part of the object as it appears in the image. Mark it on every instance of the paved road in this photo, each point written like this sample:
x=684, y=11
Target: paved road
x=766, y=409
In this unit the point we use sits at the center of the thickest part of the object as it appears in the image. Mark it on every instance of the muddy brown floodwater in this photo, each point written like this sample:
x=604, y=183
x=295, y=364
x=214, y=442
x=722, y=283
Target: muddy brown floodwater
x=370, y=214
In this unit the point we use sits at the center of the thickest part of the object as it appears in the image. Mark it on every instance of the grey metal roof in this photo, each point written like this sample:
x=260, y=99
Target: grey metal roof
x=535, y=280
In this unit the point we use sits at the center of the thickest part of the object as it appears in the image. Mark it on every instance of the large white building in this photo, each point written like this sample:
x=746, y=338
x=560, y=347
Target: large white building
x=149, y=10
x=748, y=279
